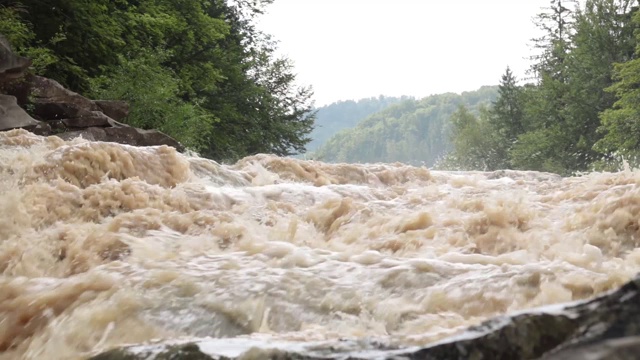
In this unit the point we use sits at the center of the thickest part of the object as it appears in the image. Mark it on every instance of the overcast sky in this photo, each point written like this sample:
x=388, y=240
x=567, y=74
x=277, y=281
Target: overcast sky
x=352, y=49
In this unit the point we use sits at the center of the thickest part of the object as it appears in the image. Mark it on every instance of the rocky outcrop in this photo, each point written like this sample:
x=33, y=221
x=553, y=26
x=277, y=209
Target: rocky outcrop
x=12, y=66
x=606, y=327
x=115, y=109
x=52, y=102
x=56, y=110
x=13, y=116
x=123, y=135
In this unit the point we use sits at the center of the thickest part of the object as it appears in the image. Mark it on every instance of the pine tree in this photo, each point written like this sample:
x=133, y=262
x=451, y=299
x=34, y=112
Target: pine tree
x=621, y=123
x=507, y=111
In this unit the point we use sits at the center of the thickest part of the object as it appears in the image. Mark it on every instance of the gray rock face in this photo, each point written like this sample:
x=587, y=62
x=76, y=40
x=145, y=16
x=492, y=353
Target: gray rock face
x=115, y=109
x=606, y=327
x=73, y=115
x=63, y=112
x=90, y=119
x=52, y=101
x=13, y=116
x=12, y=66
x=615, y=349
x=124, y=135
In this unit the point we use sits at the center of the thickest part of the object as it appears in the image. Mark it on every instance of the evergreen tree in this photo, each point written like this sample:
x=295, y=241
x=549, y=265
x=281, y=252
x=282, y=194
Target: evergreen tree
x=556, y=24
x=621, y=123
x=562, y=112
x=507, y=111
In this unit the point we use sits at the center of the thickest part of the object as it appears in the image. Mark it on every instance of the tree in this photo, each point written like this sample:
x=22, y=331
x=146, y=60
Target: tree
x=506, y=118
x=603, y=37
x=412, y=131
x=217, y=84
x=476, y=143
x=621, y=123
x=156, y=104
x=579, y=50
x=346, y=114
x=19, y=33
x=258, y=102
x=555, y=22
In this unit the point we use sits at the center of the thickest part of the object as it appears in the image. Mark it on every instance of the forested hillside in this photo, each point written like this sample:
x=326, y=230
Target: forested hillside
x=580, y=112
x=412, y=131
x=198, y=70
x=340, y=115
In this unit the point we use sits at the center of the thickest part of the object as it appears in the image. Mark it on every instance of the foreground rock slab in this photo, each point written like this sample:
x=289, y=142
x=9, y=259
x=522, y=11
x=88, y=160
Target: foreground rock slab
x=606, y=327
x=237, y=348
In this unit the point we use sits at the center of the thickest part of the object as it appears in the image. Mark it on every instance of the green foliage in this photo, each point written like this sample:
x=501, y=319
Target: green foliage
x=507, y=112
x=17, y=32
x=196, y=69
x=555, y=124
x=332, y=118
x=152, y=93
x=534, y=150
x=411, y=131
x=20, y=35
x=477, y=144
x=556, y=24
x=621, y=123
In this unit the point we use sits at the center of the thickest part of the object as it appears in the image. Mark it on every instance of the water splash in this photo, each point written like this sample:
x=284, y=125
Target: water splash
x=104, y=244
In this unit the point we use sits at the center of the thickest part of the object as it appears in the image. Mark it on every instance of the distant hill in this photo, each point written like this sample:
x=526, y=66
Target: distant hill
x=341, y=115
x=411, y=131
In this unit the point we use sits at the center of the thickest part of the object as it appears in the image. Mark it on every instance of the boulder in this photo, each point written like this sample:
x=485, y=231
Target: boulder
x=63, y=111
x=90, y=119
x=115, y=109
x=12, y=66
x=625, y=348
x=13, y=116
x=606, y=327
x=124, y=135
x=53, y=102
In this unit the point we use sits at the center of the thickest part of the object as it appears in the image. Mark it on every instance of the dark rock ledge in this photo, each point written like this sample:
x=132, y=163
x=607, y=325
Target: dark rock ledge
x=606, y=327
x=62, y=112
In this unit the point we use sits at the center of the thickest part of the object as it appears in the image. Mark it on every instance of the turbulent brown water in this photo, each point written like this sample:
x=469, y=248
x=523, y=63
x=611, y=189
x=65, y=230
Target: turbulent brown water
x=104, y=244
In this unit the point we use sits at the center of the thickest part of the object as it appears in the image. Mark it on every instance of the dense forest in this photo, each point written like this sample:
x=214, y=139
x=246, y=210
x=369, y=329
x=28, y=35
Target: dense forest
x=345, y=114
x=198, y=70
x=580, y=109
x=412, y=131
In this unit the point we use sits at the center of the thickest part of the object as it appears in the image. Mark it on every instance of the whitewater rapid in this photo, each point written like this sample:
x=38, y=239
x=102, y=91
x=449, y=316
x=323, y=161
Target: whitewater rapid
x=104, y=244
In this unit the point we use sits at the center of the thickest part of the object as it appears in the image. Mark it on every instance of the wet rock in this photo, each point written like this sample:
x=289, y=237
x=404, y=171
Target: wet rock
x=626, y=348
x=52, y=101
x=74, y=115
x=186, y=351
x=545, y=332
x=219, y=349
x=61, y=111
x=606, y=327
x=13, y=116
x=117, y=110
x=90, y=119
x=124, y=135
x=42, y=129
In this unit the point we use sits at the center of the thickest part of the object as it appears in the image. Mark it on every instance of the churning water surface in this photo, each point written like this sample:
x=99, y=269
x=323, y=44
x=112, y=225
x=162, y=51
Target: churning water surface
x=104, y=244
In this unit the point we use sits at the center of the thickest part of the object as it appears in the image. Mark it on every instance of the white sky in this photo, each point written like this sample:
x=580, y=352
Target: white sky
x=353, y=49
